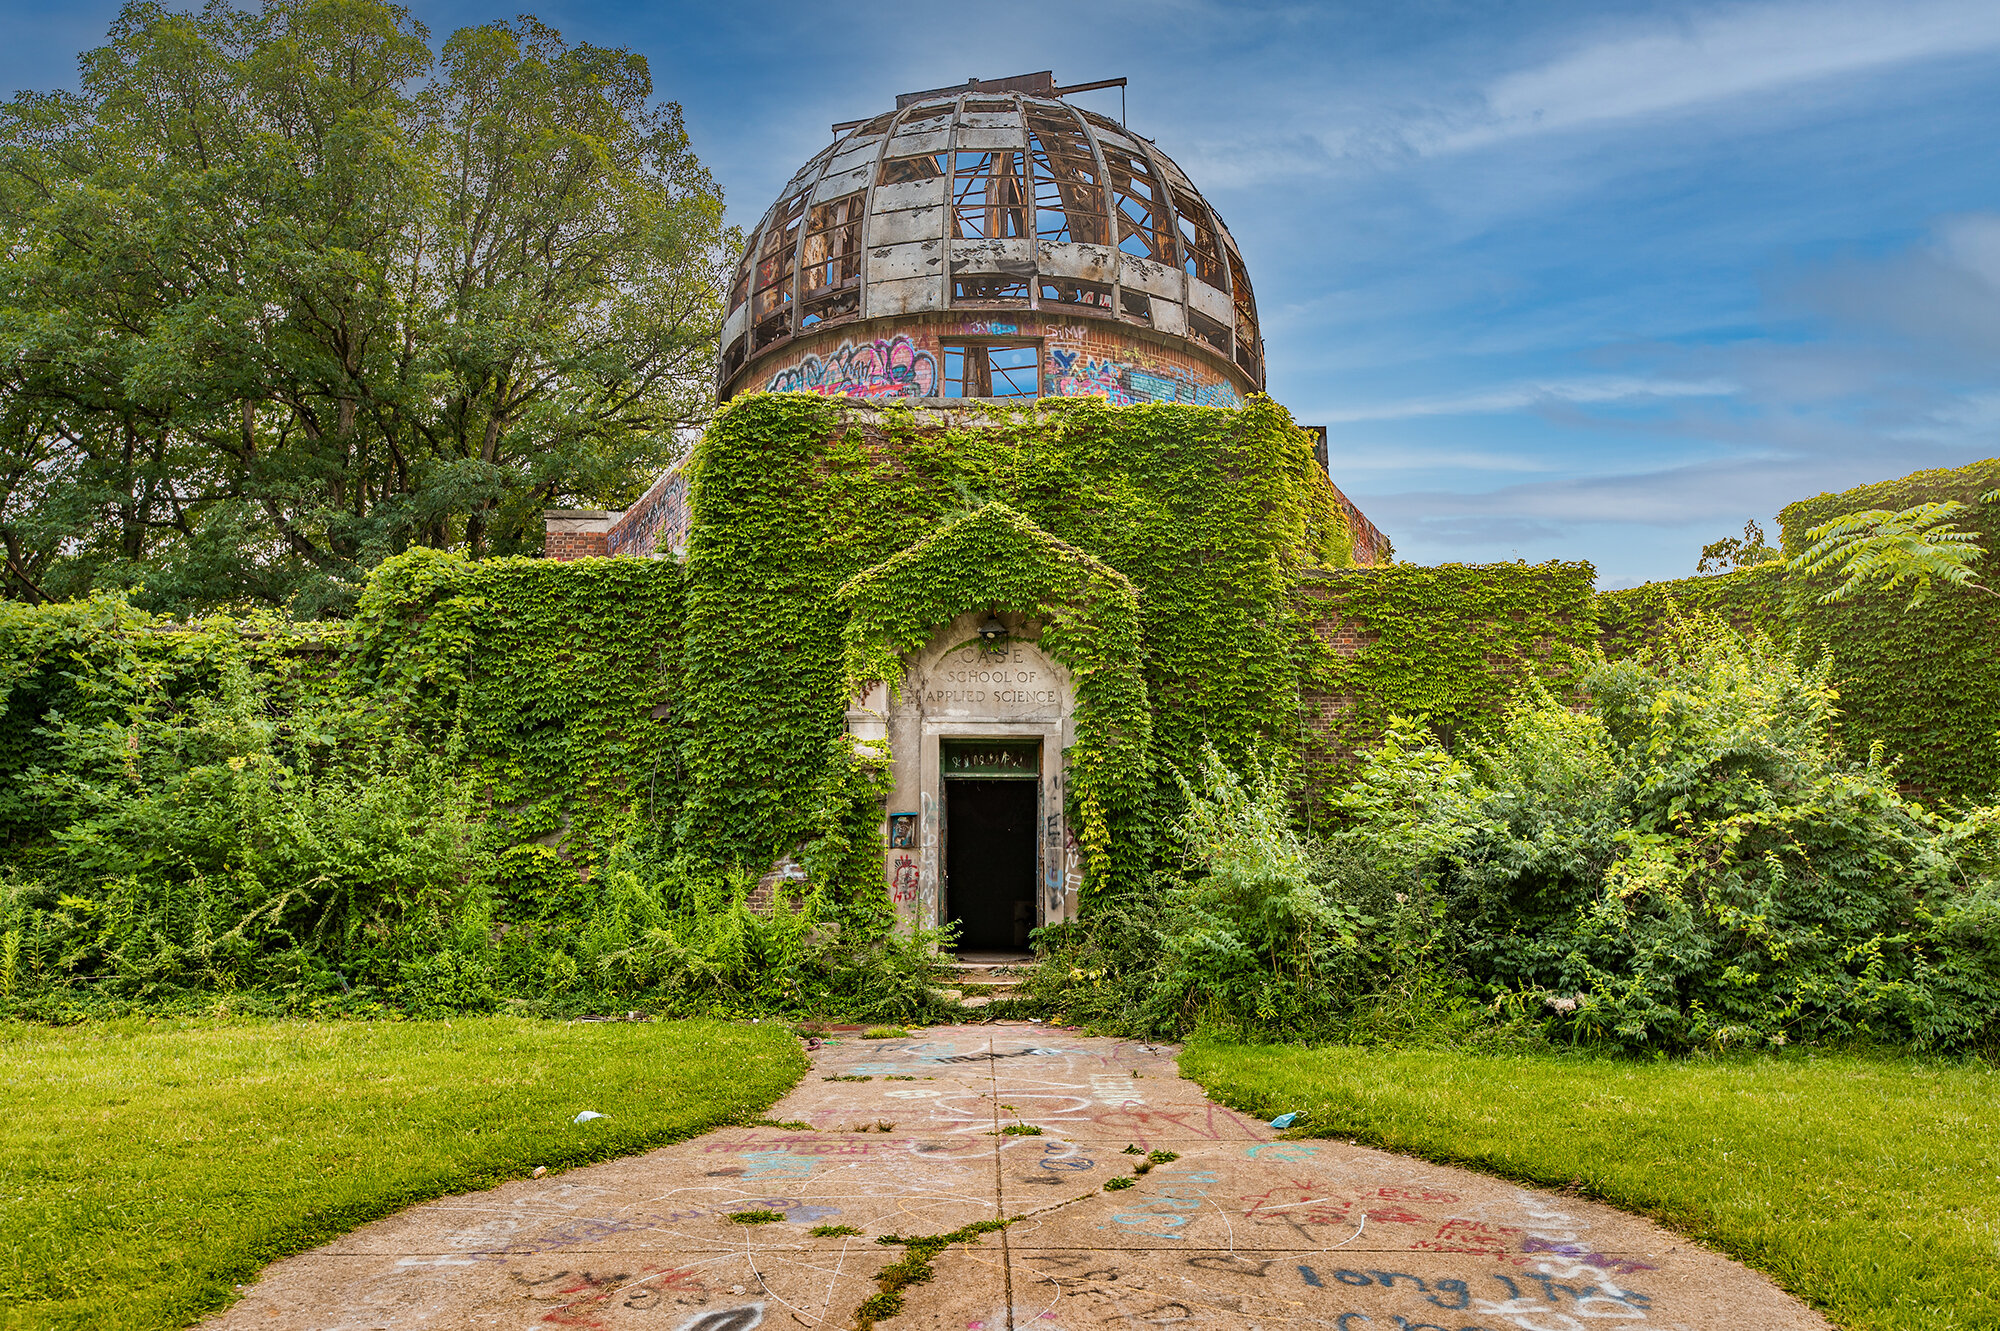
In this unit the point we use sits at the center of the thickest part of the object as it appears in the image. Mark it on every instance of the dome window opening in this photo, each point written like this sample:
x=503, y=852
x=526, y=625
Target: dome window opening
x=1142, y=222
x=1246, y=314
x=1069, y=196
x=988, y=196
x=830, y=277
x=1208, y=332
x=992, y=369
x=910, y=170
x=771, y=310
x=1071, y=291
x=989, y=289
x=1203, y=258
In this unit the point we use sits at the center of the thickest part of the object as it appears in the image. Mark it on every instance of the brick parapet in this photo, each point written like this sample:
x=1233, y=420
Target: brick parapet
x=569, y=533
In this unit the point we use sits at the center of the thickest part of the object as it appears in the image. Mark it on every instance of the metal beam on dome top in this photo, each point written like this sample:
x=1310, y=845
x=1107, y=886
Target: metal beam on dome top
x=1093, y=87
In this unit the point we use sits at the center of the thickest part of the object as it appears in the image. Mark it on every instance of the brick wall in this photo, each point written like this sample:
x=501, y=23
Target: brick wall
x=575, y=533
x=1082, y=356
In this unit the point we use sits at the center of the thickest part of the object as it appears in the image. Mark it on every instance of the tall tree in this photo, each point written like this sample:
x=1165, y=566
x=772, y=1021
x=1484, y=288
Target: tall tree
x=284, y=292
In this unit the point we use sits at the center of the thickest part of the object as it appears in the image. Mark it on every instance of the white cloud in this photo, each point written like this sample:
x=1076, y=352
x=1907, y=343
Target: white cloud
x=1514, y=397
x=1721, y=54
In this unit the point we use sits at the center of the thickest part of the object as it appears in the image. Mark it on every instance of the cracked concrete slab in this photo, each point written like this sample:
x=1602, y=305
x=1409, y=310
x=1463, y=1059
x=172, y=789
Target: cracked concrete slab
x=1242, y=1231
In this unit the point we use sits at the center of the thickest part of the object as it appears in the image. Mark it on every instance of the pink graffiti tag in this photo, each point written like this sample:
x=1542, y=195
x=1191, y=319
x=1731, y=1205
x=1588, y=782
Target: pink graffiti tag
x=886, y=367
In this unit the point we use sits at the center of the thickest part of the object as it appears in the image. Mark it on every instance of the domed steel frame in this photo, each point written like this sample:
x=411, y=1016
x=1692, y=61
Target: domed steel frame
x=1013, y=207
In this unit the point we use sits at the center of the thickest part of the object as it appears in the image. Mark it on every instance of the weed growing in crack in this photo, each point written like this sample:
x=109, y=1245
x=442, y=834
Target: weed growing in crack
x=834, y=1231
x=756, y=1217
x=913, y=1268
x=1119, y=1184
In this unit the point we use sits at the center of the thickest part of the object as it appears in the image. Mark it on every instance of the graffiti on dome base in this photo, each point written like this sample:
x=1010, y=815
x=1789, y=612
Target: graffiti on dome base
x=886, y=367
x=1124, y=382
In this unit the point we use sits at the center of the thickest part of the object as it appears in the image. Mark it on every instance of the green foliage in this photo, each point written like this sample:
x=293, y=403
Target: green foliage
x=219, y=808
x=1089, y=615
x=1921, y=680
x=360, y=296
x=1750, y=599
x=559, y=678
x=155, y=1166
x=1211, y=517
x=1674, y=856
x=1877, y=550
x=1689, y=863
x=1450, y=643
x=1735, y=552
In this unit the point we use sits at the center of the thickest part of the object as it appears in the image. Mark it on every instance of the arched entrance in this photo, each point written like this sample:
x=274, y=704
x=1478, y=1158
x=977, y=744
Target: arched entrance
x=975, y=832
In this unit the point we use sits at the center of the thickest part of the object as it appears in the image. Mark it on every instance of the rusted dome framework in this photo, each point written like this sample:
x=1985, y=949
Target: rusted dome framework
x=992, y=241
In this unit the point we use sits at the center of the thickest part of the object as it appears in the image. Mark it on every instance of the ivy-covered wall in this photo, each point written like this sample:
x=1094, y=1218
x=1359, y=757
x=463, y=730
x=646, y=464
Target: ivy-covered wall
x=558, y=680
x=1751, y=599
x=1212, y=516
x=1452, y=643
x=1922, y=680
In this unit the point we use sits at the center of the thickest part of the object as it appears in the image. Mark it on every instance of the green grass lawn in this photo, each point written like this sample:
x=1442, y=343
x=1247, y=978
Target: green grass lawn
x=148, y=1167
x=1869, y=1187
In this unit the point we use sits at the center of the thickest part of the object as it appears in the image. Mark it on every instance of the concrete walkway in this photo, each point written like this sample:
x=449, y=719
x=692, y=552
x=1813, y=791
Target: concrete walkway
x=1242, y=1231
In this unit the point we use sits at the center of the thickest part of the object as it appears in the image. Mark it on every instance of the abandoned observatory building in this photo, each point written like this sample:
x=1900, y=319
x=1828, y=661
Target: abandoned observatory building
x=995, y=244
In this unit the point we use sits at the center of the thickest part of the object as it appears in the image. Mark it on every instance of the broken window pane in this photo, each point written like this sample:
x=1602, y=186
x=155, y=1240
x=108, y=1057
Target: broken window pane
x=1135, y=305
x=988, y=196
x=1142, y=222
x=1209, y=331
x=992, y=369
x=879, y=125
x=1246, y=313
x=1073, y=291
x=1069, y=198
x=1200, y=256
x=832, y=255
x=1013, y=371
x=826, y=307
x=989, y=106
x=732, y=359
x=909, y=170
x=987, y=288
x=772, y=307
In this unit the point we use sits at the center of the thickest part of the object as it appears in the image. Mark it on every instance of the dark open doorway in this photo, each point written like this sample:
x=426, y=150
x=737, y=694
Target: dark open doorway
x=990, y=862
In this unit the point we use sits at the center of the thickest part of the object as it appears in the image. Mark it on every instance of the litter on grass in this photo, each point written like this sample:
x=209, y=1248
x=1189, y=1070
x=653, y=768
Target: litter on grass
x=586, y=1116
x=1285, y=1120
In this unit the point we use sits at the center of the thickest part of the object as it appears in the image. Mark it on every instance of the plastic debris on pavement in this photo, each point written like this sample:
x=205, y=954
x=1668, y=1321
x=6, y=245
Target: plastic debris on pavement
x=540, y=1170
x=1285, y=1120
x=586, y=1116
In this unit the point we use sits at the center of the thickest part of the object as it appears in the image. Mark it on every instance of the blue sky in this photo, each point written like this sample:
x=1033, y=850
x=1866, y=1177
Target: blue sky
x=1594, y=281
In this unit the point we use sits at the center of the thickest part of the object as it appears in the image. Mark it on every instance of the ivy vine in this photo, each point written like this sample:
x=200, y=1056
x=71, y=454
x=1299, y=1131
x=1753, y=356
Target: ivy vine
x=1088, y=614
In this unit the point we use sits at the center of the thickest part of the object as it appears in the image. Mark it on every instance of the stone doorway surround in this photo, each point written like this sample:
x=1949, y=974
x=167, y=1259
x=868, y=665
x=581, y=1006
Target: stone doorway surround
x=958, y=687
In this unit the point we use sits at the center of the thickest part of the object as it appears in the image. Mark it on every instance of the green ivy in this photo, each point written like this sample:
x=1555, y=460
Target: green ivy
x=1452, y=643
x=558, y=679
x=1749, y=599
x=1089, y=618
x=1213, y=517
x=1921, y=680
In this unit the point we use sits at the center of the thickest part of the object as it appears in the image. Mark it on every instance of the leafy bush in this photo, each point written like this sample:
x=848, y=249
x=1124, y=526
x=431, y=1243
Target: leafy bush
x=1677, y=858
x=209, y=846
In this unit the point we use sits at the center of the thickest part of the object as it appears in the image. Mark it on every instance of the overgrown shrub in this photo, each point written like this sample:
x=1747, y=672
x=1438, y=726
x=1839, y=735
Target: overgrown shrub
x=209, y=846
x=1676, y=857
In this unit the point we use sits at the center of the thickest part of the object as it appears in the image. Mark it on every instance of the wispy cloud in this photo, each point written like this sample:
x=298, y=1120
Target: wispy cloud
x=1522, y=396
x=1716, y=56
